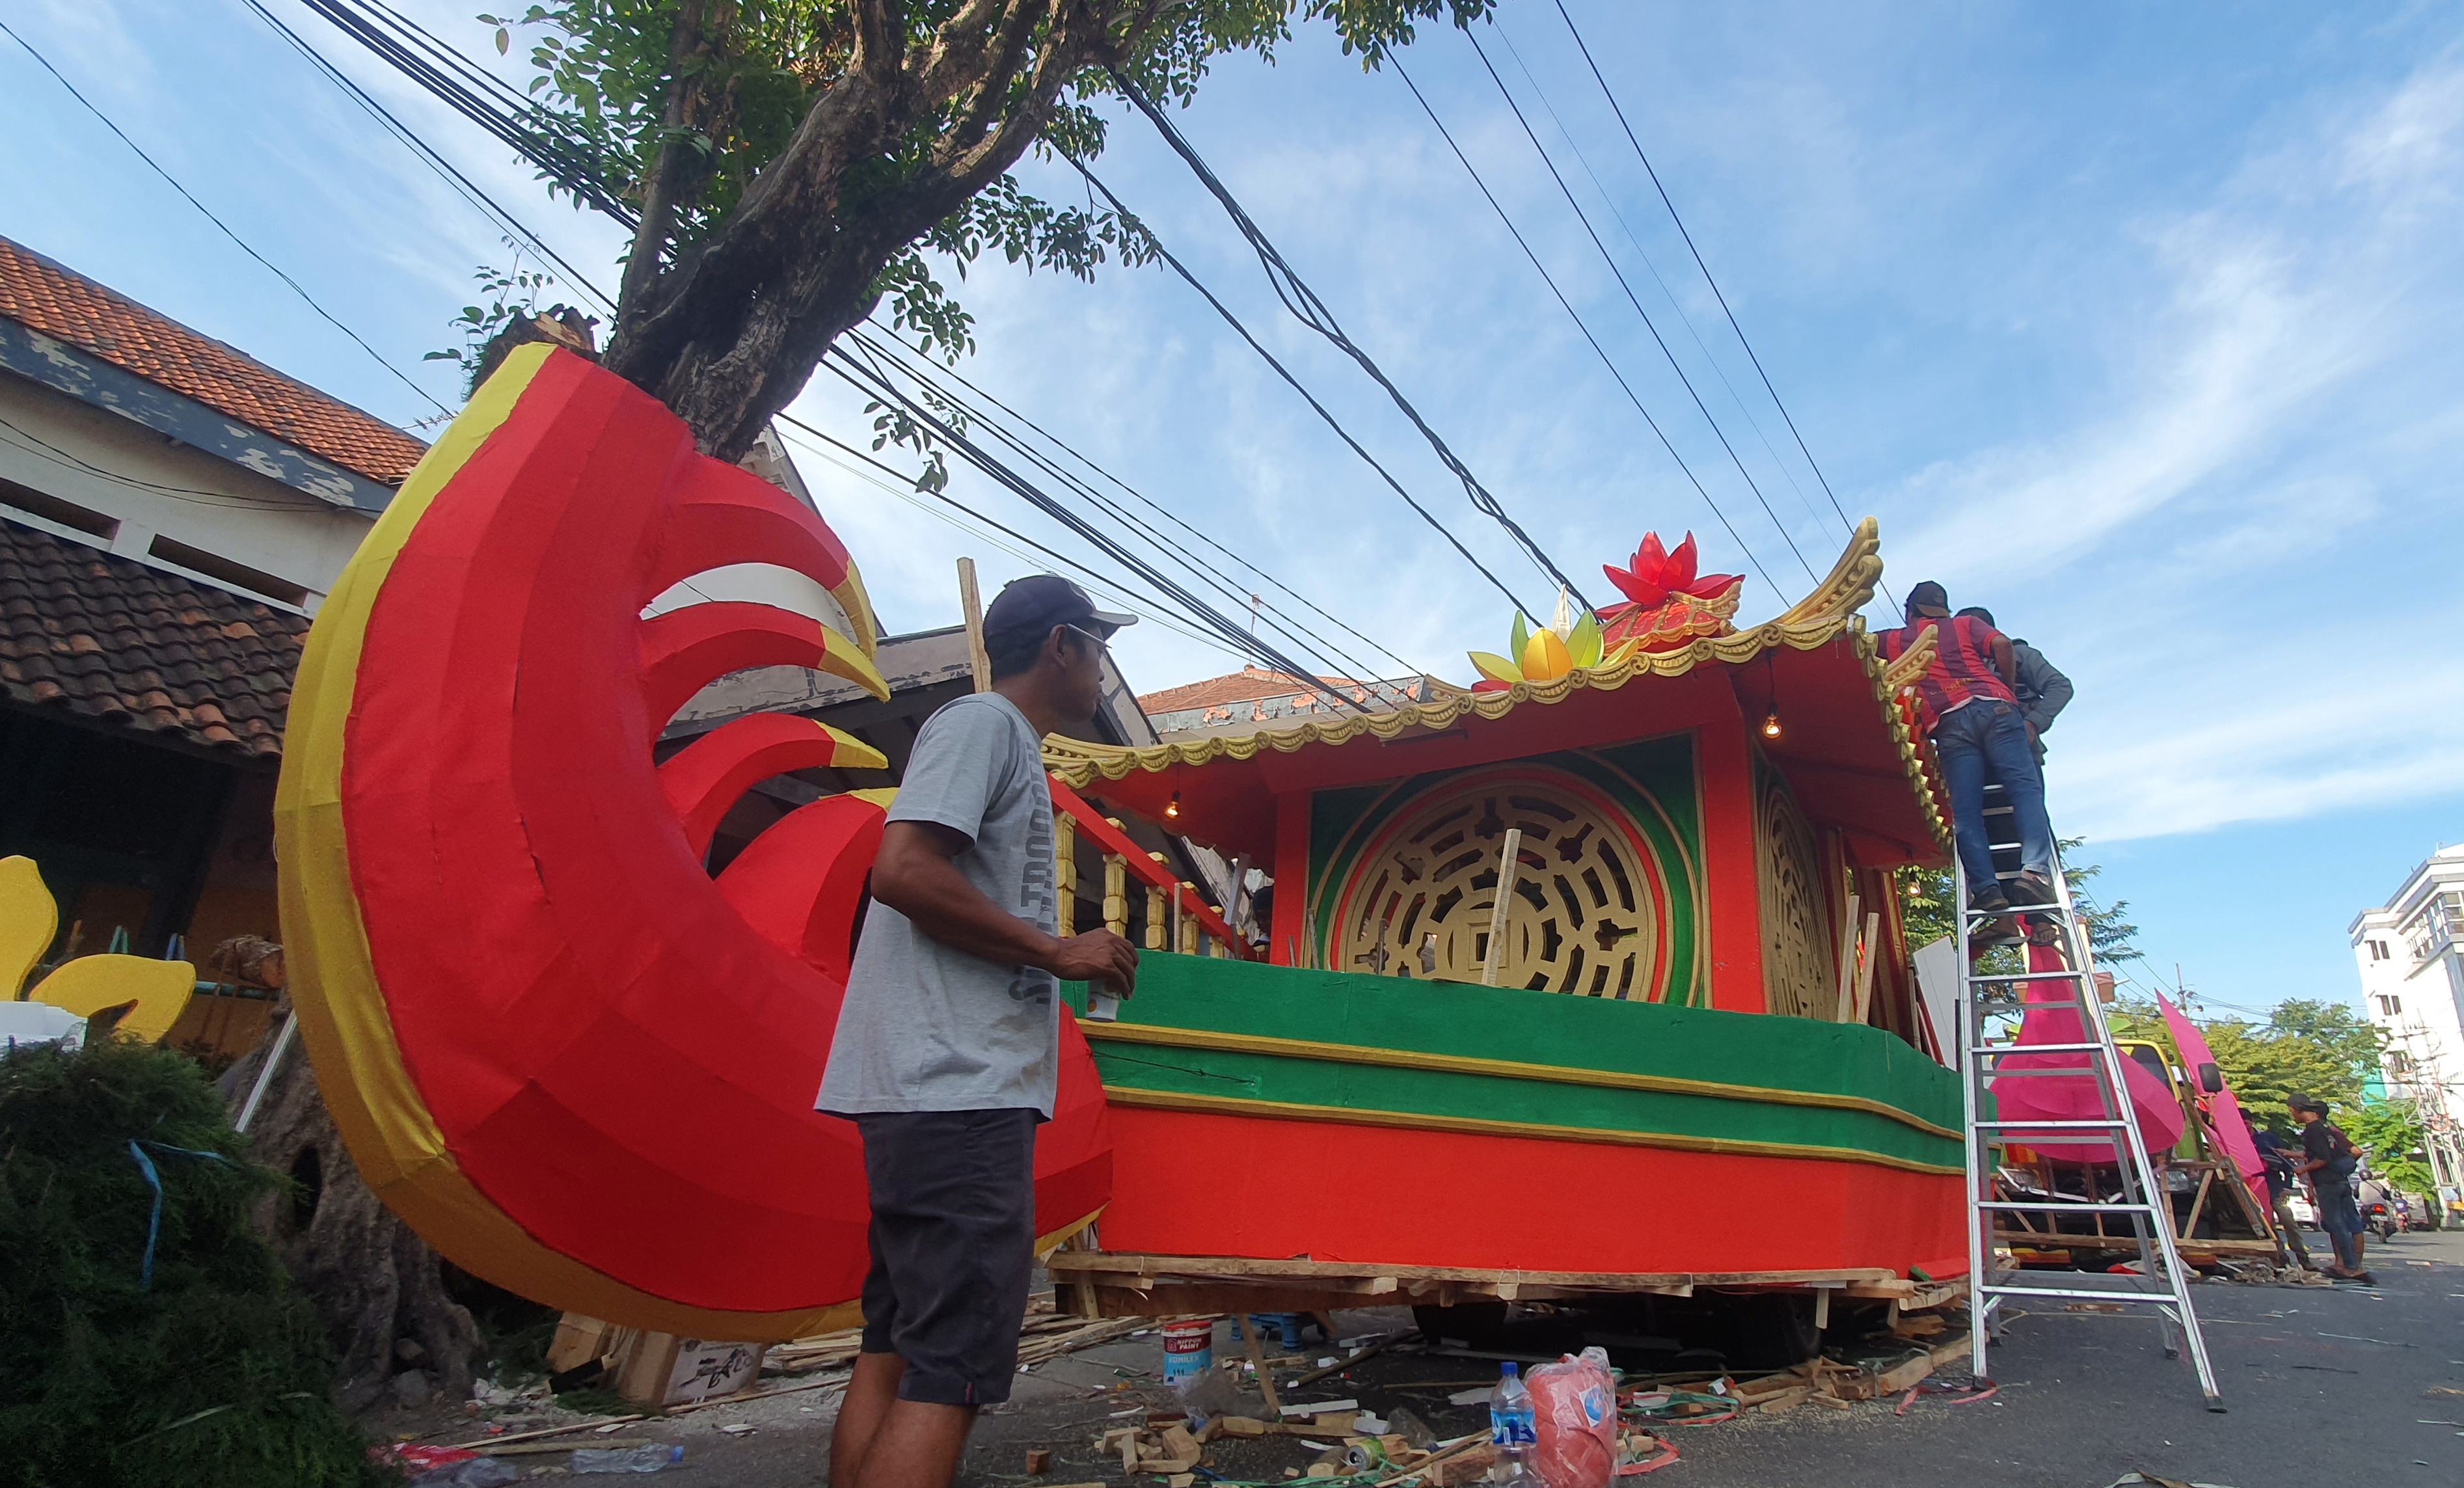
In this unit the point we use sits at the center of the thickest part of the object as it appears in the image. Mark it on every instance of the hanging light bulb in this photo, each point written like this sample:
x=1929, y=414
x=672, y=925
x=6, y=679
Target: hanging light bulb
x=1771, y=723
x=1172, y=808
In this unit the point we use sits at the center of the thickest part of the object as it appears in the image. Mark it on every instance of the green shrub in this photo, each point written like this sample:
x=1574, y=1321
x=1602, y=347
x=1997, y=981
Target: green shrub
x=217, y=1372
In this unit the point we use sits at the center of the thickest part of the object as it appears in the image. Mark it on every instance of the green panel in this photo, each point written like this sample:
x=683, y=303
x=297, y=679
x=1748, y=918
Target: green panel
x=1533, y=1028
x=1654, y=780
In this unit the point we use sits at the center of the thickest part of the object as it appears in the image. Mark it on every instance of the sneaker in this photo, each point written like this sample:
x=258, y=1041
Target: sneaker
x=2032, y=888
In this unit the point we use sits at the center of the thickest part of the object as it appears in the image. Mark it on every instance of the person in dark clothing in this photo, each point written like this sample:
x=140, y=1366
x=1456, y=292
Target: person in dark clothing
x=2043, y=691
x=1967, y=705
x=2329, y=1160
x=2279, y=1165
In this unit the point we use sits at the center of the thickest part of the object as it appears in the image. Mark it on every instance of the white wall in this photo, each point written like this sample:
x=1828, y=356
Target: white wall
x=157, y=487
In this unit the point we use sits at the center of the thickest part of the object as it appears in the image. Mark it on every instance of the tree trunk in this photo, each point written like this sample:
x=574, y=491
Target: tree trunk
x=377, y=1285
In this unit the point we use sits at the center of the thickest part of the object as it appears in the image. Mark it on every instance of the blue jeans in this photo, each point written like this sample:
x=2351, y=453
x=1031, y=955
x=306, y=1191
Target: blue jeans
x=2342, y=1218
x=1988, y=734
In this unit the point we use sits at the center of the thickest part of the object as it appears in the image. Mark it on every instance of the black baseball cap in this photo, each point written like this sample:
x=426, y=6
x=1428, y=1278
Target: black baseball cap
x=1927, y=596
x=1031, y=606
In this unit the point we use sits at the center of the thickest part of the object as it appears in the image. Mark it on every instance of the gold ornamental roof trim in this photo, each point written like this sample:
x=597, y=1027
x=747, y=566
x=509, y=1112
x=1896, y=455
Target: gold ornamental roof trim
x=1817, y=619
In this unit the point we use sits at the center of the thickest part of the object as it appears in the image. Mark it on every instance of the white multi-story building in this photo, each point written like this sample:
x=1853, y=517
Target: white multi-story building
x=2410, y=955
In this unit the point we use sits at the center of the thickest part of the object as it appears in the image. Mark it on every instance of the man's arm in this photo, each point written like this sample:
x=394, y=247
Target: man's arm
x=2053, y=690
x=2002, y=661
x=913, y=875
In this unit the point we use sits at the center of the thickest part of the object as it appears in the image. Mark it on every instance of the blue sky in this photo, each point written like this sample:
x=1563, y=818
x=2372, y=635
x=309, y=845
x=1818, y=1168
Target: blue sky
x=2140, y=325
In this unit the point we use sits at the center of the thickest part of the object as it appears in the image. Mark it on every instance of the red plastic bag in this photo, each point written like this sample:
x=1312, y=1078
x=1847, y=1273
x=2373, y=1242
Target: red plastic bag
x=1573, y=1408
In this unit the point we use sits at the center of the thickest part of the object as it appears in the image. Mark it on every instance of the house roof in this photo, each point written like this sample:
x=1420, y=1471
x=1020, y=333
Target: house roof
x=45, y=296
x=107, y=640
x=1246, y=684
x=1865, y=762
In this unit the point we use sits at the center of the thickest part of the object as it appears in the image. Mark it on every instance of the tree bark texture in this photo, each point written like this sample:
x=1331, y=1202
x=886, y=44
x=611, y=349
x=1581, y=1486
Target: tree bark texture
x=727, y=334
x=376, y=1285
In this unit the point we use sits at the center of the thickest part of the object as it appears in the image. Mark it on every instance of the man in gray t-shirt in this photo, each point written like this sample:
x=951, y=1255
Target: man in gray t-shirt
x=948, y=1044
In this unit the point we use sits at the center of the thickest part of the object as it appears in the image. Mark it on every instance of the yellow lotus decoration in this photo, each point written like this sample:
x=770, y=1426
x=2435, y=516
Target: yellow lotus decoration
x=1552, y=652
x=158, y=990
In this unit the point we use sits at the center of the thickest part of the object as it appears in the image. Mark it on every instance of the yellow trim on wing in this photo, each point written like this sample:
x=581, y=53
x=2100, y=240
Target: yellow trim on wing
x=849, y=752
x=1503, y=1069
x=842, y=657
x=1046, y=1244
x=1482, y=1127
x=394, y=1139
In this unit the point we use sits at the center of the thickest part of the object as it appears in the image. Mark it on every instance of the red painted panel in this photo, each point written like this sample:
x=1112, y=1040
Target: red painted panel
x=1188, y=1184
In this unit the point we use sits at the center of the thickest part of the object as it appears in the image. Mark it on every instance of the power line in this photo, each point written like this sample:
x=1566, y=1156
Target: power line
x=864, y=379
x=899, y=485
x=1312, y=312
x=1636, y=301
x=1284, y=372
x=1571, y=314
x=1168, y=515
x=309, y=299
x=487, y=207
x=1294, y=629
x=1609, y=94
x=1692, y=331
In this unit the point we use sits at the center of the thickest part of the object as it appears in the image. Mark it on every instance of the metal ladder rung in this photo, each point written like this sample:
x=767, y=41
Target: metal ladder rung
x=2060, y=1207
x=2015, y=1124
x=2030, y=976
x=2082, y=1294
x=1998, y=1050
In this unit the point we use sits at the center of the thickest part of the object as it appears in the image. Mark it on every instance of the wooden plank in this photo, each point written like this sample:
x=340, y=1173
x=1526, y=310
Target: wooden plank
x=978, y=664
x=2037, y=1242
x=1510, y=861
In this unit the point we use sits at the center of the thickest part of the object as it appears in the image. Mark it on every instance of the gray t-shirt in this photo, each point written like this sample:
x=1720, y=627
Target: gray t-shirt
x=926, y=1027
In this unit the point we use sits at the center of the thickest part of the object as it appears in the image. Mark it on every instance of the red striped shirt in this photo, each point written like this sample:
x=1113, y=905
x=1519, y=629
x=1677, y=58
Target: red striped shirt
x=1962, y=668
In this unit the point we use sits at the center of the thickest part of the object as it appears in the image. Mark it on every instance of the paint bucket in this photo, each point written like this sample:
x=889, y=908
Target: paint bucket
x=1188, y=1349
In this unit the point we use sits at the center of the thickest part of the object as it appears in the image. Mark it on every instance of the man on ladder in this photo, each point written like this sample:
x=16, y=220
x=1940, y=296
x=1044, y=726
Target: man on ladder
x=1967, y=705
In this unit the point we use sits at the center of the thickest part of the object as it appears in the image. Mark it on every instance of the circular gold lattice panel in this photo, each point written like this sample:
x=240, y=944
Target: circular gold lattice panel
x=1587, y=912
x=1797, y=968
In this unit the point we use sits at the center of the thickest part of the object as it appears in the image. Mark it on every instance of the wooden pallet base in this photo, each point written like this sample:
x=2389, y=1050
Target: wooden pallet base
x=1098, y=1284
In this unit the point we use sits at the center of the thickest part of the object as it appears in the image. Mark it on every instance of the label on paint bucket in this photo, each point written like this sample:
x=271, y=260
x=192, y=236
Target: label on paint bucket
x=1188, y=1349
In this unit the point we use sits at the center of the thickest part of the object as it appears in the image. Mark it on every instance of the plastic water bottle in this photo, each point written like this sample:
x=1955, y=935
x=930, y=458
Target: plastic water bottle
x=1511, y=1429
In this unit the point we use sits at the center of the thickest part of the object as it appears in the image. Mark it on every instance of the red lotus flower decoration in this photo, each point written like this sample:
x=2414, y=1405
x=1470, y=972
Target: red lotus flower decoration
x=1666, y=605
x=1654, y=573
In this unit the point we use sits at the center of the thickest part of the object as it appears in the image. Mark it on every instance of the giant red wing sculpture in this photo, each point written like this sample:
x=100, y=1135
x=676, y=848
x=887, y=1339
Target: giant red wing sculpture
x=572, y=1061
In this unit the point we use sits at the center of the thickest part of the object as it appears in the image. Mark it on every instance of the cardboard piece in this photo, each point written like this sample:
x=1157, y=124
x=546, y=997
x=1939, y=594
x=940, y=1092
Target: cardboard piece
x=660, y=1369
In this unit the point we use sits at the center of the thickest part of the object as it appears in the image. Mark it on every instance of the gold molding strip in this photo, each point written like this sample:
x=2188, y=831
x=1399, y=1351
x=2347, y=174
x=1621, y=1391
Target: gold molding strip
x=1160, y=1036
x=1483, y=1126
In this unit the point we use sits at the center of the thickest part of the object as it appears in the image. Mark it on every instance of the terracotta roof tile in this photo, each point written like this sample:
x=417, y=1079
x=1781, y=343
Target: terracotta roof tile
x=1241, y=687
x=104, y=638
x=39, y=293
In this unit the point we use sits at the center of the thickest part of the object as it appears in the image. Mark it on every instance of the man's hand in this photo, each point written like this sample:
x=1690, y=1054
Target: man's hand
x=1097, y=957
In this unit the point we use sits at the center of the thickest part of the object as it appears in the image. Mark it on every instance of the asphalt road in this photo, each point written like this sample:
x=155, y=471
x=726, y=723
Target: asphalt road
x=2324, y=1386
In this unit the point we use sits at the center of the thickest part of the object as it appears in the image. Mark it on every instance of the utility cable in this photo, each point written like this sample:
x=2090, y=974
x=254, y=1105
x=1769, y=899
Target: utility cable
x=532, y=133
x=469, y=190
x=309, y=299
x=852, y=371
x=904, y=488
x=1293, y=629
x=1636, y=300
x=1312, y=312
x=1634, y=240
x=1638, y=154
x=1284, y=372
x=1168, y=515
x=1571, y=314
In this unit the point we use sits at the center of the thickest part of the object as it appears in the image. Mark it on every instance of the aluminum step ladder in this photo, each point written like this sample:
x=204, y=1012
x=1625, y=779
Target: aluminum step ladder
x=2163, y=1281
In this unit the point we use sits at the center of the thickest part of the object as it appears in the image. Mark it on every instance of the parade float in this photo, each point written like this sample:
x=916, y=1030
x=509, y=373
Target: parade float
x=1685, y=1052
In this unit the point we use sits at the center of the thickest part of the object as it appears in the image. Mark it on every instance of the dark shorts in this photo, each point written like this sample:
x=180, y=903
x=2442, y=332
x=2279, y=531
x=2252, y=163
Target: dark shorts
x=952, y=1246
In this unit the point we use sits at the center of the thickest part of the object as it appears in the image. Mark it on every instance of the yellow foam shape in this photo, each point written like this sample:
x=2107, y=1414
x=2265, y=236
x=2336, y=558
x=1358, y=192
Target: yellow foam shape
x=89, y=984
x=28, y=922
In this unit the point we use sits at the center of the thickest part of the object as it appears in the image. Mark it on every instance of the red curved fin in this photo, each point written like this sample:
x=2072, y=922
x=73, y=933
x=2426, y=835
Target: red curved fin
x=800, y=882
x=686, y=649
x=708, y=777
